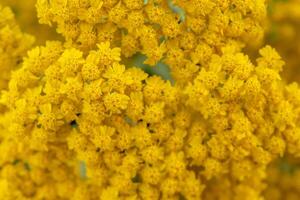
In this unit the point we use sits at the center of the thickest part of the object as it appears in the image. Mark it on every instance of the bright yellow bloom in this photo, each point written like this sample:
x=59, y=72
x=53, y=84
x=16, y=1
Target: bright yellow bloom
x=153, y=99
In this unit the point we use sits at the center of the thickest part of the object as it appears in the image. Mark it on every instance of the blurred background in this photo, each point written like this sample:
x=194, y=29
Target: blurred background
x=26, y=16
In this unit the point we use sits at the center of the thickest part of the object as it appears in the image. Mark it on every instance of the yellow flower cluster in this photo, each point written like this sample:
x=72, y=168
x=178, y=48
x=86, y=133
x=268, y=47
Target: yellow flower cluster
x=81, y=124
x=154, y=27
x=13, y=44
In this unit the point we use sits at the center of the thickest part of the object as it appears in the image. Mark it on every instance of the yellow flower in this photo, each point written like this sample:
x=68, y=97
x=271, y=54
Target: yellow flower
x=212, y=167
x=133, y=4
x=169, y=186
x=270, y=58
x=107, y=55
x=149, y=192
x=118, y=13
x=92, y=14
x=102, y=138
x=70, y=61
x=49, y=119
x=115, y=102
x=72, y=88
x=151, y=175
x=76, y=141
x=175, y=164
x=117, y=78
x=153, y=155
x=231, y=89
x=90, y=72
x=154, y=113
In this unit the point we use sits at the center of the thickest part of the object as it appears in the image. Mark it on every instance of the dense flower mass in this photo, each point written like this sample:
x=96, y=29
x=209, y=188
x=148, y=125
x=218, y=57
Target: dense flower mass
x=92, y=116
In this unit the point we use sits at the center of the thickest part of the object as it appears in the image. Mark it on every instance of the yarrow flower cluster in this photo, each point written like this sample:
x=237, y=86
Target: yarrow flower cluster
x=78, y=122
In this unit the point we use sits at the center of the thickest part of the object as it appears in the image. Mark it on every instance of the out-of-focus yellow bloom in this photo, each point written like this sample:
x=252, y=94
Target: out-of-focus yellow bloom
x=26, y=16
x=13, y=44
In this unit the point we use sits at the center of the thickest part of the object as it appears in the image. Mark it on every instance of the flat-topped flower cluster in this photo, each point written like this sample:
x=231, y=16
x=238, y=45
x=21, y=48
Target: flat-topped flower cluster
x=79, y=123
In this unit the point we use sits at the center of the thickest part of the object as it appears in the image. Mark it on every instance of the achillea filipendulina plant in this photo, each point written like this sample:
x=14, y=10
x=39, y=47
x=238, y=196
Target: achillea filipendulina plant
x=81, y=123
